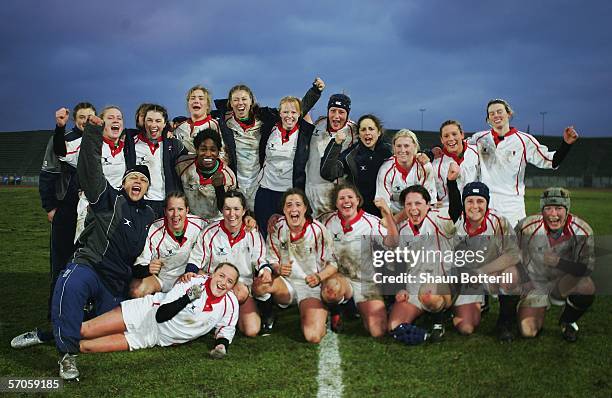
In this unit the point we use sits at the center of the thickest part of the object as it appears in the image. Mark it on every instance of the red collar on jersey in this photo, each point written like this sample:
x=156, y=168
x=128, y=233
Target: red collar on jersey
x=347, y=226
x=455, y=157
x=208, y=181
x=497, y=138
x=567, y=233
x=285, y=135
x=244, y=126
x=210, y=297
x=233, y=240
x=171, y=233
x=115, y=148
x=415, y=228
x=481, y=228
x=302, y=232
x=404, y=172
x=152, y=145
x=193, y=124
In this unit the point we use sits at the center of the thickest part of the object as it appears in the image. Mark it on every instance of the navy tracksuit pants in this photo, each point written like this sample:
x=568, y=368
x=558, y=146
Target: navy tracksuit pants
x=74, y=288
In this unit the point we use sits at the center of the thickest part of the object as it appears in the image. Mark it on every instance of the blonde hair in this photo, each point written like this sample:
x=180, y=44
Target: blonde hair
x=108, y=108
x=206, y=95
x=407, y=133
x=291, y=100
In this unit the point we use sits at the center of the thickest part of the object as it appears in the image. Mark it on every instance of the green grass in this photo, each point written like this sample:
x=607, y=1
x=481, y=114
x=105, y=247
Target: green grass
x=283, y=365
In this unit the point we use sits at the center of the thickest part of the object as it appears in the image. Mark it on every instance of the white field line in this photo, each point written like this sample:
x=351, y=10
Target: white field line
x=329, y=378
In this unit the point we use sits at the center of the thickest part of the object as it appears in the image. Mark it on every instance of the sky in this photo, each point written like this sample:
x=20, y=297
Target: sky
x=393, y=58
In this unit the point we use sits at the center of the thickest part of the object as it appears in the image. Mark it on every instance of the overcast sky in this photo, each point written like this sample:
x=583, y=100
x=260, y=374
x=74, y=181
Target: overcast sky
x=392, y=57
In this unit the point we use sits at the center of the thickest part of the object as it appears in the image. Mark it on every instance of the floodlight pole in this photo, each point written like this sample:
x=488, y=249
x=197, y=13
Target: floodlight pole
x=543, y=113
x=422, y=110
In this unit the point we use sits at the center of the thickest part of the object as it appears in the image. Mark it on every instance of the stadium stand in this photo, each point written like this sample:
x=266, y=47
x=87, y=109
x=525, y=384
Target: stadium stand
x=586, y=166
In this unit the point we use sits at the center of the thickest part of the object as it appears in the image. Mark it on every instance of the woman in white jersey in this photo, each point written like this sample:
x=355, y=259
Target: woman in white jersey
x=504, y=154
x=113, y=158
x=241, y=121
x=300, y=254
x=356, y=234
x=188, y=311
x=168, y=246
x=231, y=239
x=403, y=170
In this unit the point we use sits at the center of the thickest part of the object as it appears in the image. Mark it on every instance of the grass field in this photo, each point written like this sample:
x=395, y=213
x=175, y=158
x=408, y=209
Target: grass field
x=283, y=364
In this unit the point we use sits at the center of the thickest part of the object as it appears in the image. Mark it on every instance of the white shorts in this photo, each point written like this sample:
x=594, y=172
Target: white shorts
x=299, y=290
x=365, y=291
x=535, y=301
x=139, y=319
x=511, y=207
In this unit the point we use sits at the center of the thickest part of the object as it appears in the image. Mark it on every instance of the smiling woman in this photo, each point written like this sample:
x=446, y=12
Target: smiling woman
x=102, y=266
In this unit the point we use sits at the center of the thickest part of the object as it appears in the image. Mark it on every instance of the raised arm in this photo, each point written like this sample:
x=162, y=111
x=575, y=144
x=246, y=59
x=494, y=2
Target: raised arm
x=312, y=95
x=89, y=168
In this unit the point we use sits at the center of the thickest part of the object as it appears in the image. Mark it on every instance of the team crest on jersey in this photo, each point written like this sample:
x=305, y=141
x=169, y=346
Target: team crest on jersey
x=283, y=245
x=221, y=251
x=363, y=168
x=142, y=160
x=105, y=161
x=337, y=237
x=271, y=146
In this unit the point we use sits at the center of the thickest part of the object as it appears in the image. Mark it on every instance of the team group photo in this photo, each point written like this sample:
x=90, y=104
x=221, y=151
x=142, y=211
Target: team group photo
x=300, y=239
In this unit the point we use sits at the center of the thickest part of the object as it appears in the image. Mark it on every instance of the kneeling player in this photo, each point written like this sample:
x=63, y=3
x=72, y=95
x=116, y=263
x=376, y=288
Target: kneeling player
x=232, y=239
x=300, y=252
x=483, y=232
x=424, y=231
x=356, y=234
x=201, y=304
x=168, y=246
x=558, y=252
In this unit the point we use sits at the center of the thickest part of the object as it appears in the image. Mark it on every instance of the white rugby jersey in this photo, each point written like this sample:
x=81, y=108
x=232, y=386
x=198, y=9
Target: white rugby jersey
x=503, y=162
x=187, y=131
x=392, y=179
x=216, y=244
x=310, y=251
x=200, y=316
x=318, y=188
x=493, y=238
x=113, y=159
x=247, y=137
x=354, y=242
x=72, y=152
x=149, y=154
x=277, y=171
x=576, y=243
x=433, y=238
x=468, y=163
x=199, y=190
x=162, y=244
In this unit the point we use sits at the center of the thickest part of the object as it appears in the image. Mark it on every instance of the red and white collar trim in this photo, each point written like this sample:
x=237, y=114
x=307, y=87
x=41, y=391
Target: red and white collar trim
x=481, y=228
x=347, y=226
x=285, y=135
x=208, y=181
x=152, y=145
x=404, y=172
x=210, y=297
x=233, y=240
x=302, y=232
x=199, y=122
x=497, y=138
x=171, y=233
x=244, y=126
x=454, y=156
x=115, y=148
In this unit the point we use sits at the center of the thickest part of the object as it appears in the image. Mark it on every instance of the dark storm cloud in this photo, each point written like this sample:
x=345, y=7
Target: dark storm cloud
x=391, y=57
